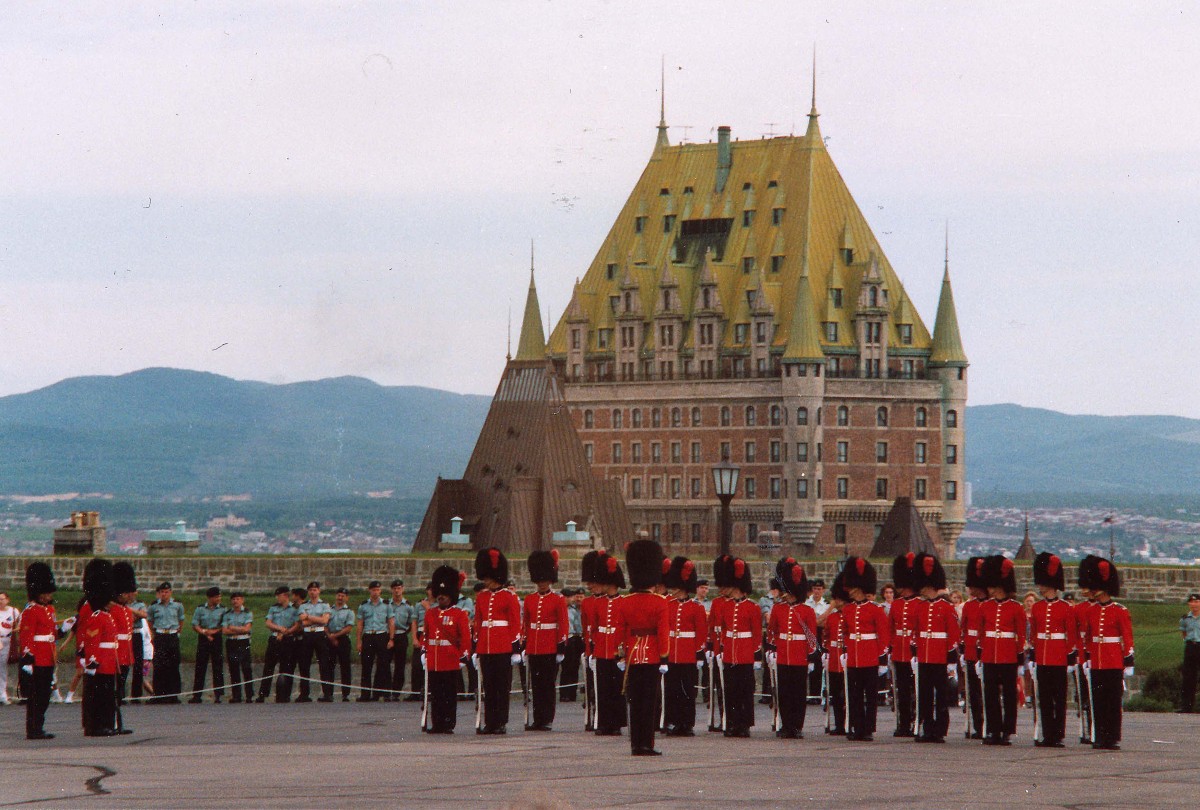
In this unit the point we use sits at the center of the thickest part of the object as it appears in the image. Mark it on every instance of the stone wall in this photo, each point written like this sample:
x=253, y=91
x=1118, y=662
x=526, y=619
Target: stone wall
x=263, y=574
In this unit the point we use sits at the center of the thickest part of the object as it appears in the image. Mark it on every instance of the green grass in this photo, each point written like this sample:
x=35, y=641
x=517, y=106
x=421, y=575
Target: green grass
x=1156, y=634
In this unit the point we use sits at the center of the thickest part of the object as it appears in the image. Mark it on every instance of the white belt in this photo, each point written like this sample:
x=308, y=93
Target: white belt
x=439, y=642
x=1106, y=639
x=932, y=635
x=972, y=632
x=107, y=645
x=863, y=636
x=606, y=630
x=683, y=634
x=553, y=626
x=999, y=634
x=47, y=637
x=741, y=634
x=1052, y=636
x=168, y=632
x=124, y=636
x=314, y=629
x=903, y=633
x=239, y=638
x=793, y=637
x=495, y=623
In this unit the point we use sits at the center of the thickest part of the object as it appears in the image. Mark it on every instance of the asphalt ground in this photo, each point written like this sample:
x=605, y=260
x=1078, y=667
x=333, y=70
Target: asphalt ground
x=351, y=754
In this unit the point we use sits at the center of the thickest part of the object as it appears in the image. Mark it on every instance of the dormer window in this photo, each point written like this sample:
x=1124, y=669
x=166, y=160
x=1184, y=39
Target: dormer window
x=747, y=265
x=614, y=301
x=772, y=183
x=687, y=190
x=706, y=298
x=776, y=264
x=664, y=192
x=604, y=338
x=750, y=298
x=848, y=255
x=628, y=302
x=639, y=224
x=906, y=334
x=873, y=297
x=747, y=186
x=835, y=297
x=610, y=271
x=776, y=216
x=831, y=332
x=747, y=217
x=668, y=223
x=739, y=332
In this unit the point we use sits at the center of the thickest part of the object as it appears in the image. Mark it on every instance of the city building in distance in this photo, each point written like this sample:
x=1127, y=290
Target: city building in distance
x=740, y=306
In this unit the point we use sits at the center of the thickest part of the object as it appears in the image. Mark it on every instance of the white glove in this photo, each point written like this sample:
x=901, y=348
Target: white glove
x=462, y=664
x=843, y=660
x=27, y=669
x=514, y=659
x=425, y=662
x=757, y=666
x=621, y=665
x=952, y=671
x=591, y=662
x=708, y=656
x=979, y=668
x=68, y=624
x=812, y=667
x=1128, y=672
x=1032, y=666
x=91, y=666
x=558, y=659
x=1021, y=671
x=475, y=661
x=1071, y=669
x=662, y=669
x=700, y=666
x=912, y=662
x=882, y=671
x=772, y=657
x=1087, y=667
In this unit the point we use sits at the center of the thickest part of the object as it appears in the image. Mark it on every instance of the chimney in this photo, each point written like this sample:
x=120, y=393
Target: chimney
x=724, y=158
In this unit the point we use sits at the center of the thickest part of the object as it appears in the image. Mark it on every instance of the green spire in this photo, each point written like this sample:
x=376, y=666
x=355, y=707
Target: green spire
x=804, y=345
x=532, y=345
x=662, y=142
x=947, y=343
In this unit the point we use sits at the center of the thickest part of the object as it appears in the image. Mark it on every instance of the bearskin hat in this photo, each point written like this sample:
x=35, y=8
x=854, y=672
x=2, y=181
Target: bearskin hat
x=783, y=567
x=1087, y=572
x=838, y=589
x=124, y=578
x=644, y=559
x=682, y=575
x=98, y=583
x=793, y=579
x=739, y=575
x=859, y=573
x=589, y=567
x=999, y=572
x=39, y=579
x=1048, y=571
x=543, y=566
x=491, y=564
x=904, y=571
x=721, y=575
x=609, y=571
x=928, y=573
x=447, y=581
x=1107, y=578
x=975, y=572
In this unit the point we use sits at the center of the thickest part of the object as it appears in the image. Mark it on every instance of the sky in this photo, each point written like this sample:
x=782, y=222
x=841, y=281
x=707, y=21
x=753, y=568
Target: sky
x=290, y=191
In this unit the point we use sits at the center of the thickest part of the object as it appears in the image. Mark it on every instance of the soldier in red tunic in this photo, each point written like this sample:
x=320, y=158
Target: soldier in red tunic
x=1109, y=648
x=900, y=619
x=688, y=628
x=497, y=633
x=835, y=673
x=100, y=646
x=716, y=614
x=969, y=623
x=610, y=667
x=643, y=628
x=546, y=627
x=741, y=650
x=124, y=592
x=791, y=639
x=935, y=642
x=39, y=634
x=589, y=574
x=866, y=637
x=1083, y=610
x=447, y=635
x=1002, y=656
x=1052, y=650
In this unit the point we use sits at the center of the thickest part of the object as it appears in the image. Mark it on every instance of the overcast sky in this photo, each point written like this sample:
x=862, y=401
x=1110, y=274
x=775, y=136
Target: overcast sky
x=289, y=191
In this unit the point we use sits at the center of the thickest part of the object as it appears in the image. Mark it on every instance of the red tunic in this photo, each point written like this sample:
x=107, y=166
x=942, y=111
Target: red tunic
x=447, y=638
x=1001, y=630
x=643, y=627
x=716, y=615
x=85, y=612
x=100, y=642
x=969, y=624
x=1054, y=632
x=1110, y=636
x=587, y=617
x=901, y=623
x=123, y=618
x=39, y=632
x=688, y=625
x=497, y=621
x=604, y=628
x=1083, y=612
x=792, y=629
x=935, y=630
x=546, y=622
x=833, y=639
x=865, y=632
x=741, y=631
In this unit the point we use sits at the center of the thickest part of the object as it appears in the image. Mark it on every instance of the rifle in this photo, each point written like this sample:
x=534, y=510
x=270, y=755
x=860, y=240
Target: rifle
x=825, y=696
x=719, y=662
x=478, y=694
x=587, y=689
x=773, y=668
x=525, y=685
x=425, y=694
x=916, y=668
x=1039, y=732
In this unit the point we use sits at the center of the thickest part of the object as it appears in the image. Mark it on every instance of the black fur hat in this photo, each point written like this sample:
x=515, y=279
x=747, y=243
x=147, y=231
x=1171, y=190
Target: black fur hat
x=1048, y=571
x=124, y=578
x=1107, y=578
x=589, y=567
x=974, y=577
x=644, y=559
x=999, y=572
x=904, y=571
x=98, y=583
x=608, y=569
x=721, y=574
x=859, y=573
x=543, y=566
x=928, y=573
x=490, y=563
x=838, y=589
x=39, y=579
x=739, y=575
x=793, y=579
x=783, y=567
x=447, y=581
x=1087, y=573
x=682, y=575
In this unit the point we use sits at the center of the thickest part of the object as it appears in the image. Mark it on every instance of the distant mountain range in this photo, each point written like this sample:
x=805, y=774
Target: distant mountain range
x=166, y=433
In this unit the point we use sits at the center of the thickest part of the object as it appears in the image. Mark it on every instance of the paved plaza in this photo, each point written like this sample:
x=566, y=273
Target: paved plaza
x=360, y=755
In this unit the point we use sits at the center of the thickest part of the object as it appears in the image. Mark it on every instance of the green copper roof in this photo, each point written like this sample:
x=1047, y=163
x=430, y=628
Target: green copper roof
x=947, y=343
x=804, y=343
x=532, y=345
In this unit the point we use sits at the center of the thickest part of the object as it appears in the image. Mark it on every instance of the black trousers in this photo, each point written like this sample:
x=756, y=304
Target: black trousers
x=569, y=671
x=339, y=662
x=315, y=644
x=1000, y=698
x=272, y=659
x=1085, y=703
x=837, y=702
x=289, y=659
x=717, y=698
x=136, y=686
x=399, y=660
x=642, y=693
x=209, y=652
x=418, y=670
x=793, y=696
x=1191, y=669
x=443, y=700
x=1108, y=690
x=739, y=697
x=933, y=700
x=122, y=680
x=589, y=692
x=1052, y=702
x=167, y=682
x=496, y=675
x=814, y=677
x=37, y=699
x=903, y=673
x=543, y=674
x=974, y=697
x=862, y=695
x=610, y=703
x=375, y=657
x=99, y=704
x=240, y=669
x=680, y=688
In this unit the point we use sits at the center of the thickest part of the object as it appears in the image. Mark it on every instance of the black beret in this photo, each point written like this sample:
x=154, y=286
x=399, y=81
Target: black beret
x=164, y=586
x=374, y=584
x=282, y=589
x=397, y=583
x=237, y=595
x=343, y=590
x=314, y=584
x=213, y=591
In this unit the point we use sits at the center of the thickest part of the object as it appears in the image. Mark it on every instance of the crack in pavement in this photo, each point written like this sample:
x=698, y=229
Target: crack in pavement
x=92, y=785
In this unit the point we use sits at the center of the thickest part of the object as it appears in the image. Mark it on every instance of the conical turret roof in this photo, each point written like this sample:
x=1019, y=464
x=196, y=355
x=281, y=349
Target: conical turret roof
x=947, y=347
x=532, y=345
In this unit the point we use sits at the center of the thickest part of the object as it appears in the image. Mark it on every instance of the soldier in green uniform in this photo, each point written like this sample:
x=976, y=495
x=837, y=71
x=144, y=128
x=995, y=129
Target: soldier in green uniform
x=166, y=617
x=281, y=616
x=314, y=635
x=206, y=621
x=373, y=637
x=405, y=617
x=341, y=622
x=235, y=626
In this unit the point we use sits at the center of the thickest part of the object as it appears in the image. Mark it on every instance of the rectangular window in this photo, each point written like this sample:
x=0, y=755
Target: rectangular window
x=739, y=332
x=839, y=534
x=751, y=452
x=656, y=488
x=668, y=223
x=576, y=337
x=696, y=536
x=614, y=303
x=639, y=224
x=751, y=489
x=776, y=454
x=760, y=332
x=843, y=452
x=747, y=265
x=604, y=338
x=635, y=450
x=952, y=454
x=831, y=332
x=635, y=487
x=919, y=454
x=726, y=450
x=589, y=452
x=752, y=533
x=695, y=487
x=676, y=532
x=776, y=264
x=906, y=369
x=747, y=218
x=835, y=297
x=906, y=334
x=656, y=532
x=610, y=271
x=802, y=488
x=655, y=453
x=696, y=452
x=843, y=488
x=676, y=452
x=616, y=453
x=952, y=490
x=880, y=452
x=920, y=489
x=881, y=488
x=776, y=216
x=775, y=488
x=819, y=454
x=801, y=451
x=676, y=488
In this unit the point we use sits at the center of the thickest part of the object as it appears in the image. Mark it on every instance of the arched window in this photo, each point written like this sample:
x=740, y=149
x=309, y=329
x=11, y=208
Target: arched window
x=726, y=417
x=636, y=417
x=676, y=417
x=843, y=416
x=776, y=415
x=922, y=417
x=655, y=418
x=589, y=420
x=616, y=417
x=951, y=419
x=881, y=416
x=802, y=416
x=751, y=418
x=695, y=417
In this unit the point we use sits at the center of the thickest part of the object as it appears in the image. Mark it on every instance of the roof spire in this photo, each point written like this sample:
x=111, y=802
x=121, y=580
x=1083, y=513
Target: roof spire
x=662, y=142
x=813, y=135
x=947, y=349
x=532, y=344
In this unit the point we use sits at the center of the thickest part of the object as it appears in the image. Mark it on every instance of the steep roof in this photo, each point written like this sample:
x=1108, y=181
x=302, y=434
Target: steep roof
x=532, y=345
x=947, y=344
x=903, y=531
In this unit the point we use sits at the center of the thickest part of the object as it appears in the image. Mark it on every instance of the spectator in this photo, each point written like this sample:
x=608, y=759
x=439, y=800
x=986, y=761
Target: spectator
x=1189, y=628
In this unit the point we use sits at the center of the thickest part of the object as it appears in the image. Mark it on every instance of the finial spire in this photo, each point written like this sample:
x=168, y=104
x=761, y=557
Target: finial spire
x=947, y=266
x=531, y=262
x=508, y=345
x=662, y=142
x=532, y=343
x=813, y=135
x=813, y=112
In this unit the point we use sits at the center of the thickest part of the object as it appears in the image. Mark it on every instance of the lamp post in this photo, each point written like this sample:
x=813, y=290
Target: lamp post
x=725, y=481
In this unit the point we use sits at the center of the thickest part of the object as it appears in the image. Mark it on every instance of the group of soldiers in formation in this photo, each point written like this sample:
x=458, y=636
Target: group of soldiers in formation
x=643, y=654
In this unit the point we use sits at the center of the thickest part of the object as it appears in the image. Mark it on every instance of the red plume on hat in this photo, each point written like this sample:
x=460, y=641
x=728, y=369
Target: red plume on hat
x=688, y=569
x=666, y=565
x=859, y=573
x=554, y=554
x=927, y=567
x=680, y=574
x=490, y=563
x=1048, y=571
x=462, y=579
x=928, y=572
x=739, y=576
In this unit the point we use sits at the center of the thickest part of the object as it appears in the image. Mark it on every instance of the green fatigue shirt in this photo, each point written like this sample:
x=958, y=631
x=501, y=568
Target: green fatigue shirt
x=318, y=608
x=375, y=615
x=166, y=618
x=238, y=618
x=285, y=617
x=405, y=616
x=207, y=618
x=340, y=618
x=1189, y=625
